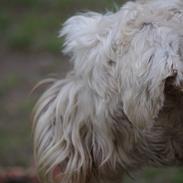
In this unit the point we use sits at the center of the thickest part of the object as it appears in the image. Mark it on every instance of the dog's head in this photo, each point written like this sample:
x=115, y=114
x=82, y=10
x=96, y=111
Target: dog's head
x=123, y=63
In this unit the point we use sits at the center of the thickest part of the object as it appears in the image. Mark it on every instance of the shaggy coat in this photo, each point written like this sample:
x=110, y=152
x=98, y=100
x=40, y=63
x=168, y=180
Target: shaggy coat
x=120, y=108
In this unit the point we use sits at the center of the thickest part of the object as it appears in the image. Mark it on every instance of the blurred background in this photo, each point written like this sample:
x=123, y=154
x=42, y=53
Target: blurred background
x=29, y=52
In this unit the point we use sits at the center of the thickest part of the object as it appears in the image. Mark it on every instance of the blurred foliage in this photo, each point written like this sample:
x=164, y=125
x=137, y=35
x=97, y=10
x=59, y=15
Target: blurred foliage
x=157, y=175
x=33, y=25
x=9, y=83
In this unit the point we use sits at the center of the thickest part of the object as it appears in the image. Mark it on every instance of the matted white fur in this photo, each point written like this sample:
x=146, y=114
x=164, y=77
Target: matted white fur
x=107, y=116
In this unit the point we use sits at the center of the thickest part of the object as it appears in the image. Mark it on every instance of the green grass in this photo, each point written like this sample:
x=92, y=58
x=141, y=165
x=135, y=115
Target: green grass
x=9, y=83
x=20, y=39
x=26, y=105
x=22, y=3
x=14, y=147
x=157, y=175
x=15, y=134
x=4, y=22
x=33, y=25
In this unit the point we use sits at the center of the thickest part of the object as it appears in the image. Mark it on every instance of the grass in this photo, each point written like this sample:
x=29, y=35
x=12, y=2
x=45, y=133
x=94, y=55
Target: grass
x=16, y=150
x=15, y=126
x=15, y=133
x=160, y=175
x=4, y=22
x=9, y=83
x=32, y=25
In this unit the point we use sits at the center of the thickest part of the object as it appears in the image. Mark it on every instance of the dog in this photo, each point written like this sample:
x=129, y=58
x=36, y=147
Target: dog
x=120, y=108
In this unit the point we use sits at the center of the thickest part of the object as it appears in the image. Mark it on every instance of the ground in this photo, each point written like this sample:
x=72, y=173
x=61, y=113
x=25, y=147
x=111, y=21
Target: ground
x=30, y=52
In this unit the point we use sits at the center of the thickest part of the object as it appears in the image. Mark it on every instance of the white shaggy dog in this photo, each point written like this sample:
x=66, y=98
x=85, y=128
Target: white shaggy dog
x=121, y=106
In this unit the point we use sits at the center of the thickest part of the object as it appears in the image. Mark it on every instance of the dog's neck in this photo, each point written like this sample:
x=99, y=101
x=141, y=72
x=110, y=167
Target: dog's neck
x=159, y=145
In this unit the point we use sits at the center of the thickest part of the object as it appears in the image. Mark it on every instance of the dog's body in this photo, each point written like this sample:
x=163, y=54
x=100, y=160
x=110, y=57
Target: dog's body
x=121, y=106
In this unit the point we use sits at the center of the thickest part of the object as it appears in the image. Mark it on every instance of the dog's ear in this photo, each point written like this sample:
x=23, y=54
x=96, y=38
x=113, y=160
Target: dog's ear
x=69, y=134
x=154, y=56
x=62, y=132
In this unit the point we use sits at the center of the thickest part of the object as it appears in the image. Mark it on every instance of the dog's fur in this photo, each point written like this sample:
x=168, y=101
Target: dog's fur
x=121, y=106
